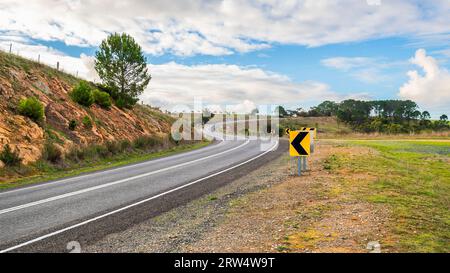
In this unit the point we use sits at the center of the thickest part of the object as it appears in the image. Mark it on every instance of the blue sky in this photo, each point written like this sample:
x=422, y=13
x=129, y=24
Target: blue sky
x=295, y=53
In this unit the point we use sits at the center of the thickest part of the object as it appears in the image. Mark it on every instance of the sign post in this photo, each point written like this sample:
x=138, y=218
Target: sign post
x=300, y=147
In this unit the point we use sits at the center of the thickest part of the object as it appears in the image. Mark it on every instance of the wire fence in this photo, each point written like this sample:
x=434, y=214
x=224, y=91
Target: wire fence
x=58, y=65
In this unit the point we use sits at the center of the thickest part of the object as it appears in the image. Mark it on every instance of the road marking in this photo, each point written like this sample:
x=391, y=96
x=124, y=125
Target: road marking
x=62, y=196
x=133, y=205
x=65, y=180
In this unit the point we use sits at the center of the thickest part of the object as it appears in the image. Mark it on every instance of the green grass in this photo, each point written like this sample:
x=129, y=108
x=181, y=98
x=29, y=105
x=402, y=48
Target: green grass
x=413, y=180
x=48, y=172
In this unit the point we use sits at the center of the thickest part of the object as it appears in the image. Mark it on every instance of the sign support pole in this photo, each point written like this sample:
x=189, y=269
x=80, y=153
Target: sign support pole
x=299, y=165
x=305, y=168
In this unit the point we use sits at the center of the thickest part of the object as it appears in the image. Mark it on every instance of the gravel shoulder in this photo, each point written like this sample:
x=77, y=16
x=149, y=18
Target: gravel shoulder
x=267, y=210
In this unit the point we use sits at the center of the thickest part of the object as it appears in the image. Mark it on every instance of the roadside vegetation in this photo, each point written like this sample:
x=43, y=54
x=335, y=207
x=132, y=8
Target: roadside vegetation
x=32, y=108
x=55, y=165
x=381, y=116
x=77, y=142
x=410, y=178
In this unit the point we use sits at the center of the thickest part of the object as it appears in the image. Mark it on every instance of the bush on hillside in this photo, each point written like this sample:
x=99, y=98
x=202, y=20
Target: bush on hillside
x=10, y=157
x=72, y=125
x=103, y=99
x=51, y=153
x=125, y=102
x=82, y=94
x=87, y=122
x=32, y=108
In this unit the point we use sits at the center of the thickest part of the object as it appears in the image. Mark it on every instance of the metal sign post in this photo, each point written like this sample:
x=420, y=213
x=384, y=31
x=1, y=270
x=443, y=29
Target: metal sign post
x=300, y=147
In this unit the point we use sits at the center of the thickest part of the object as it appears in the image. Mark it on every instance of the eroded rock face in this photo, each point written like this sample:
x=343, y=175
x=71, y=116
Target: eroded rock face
x=53, y=89
x=22, y=135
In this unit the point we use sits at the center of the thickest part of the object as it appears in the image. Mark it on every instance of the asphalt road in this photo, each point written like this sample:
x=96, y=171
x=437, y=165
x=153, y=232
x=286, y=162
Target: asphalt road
x=45, y=217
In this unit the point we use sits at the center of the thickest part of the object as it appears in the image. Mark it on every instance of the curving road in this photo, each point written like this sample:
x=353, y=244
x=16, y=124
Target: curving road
x=46, y=216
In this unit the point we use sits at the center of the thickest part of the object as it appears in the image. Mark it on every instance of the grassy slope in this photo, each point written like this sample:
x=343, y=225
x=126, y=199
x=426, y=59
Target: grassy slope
x=412, y=178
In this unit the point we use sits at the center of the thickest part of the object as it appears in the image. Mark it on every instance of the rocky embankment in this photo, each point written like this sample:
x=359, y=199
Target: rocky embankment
x=20, y=78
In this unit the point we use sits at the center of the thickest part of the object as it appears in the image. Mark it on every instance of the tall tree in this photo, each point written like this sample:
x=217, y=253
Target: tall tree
x=281, y=111
x=122, y=66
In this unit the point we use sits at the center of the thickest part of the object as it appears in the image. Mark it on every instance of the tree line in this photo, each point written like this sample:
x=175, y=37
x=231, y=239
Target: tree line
x=385, y=116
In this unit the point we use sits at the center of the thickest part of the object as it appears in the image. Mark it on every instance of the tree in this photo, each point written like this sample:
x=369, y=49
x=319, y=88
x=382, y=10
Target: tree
x=326, y=108
x=443, y=118
x=281, y=111
x=121, y=65
x=425, y=115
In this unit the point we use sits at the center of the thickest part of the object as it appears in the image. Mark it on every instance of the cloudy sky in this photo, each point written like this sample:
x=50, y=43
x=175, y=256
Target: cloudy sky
x=248, y=53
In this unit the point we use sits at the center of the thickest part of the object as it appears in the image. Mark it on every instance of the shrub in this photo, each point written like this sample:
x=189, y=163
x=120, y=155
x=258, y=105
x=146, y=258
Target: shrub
x=32, y=108
x=113, y=92
x=101, y=98
x=51, y=153
x=145, y=142
x=10, y=157
x=101, y=151
x=125, y=102
x=125, y=145
x=87, y=122
x=113, y=147
x=82, y=94
x=76, y=155
x=72, y=125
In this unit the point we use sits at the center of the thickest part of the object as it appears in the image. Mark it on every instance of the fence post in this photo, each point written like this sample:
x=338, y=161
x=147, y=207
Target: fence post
x=10, y=48
x=57, y=65
x=39, y=58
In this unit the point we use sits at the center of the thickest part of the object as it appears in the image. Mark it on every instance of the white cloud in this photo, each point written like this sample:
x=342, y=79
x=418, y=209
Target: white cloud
x=430, y=89
x=84, y=65
x=347, y=63
x=222, y=27
x=222, y=84
x=240, y=88
x=368, y=70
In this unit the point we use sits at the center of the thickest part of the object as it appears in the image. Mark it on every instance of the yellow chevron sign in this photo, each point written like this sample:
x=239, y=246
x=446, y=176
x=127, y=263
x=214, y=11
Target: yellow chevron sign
x=300, y=143
x=310, y=130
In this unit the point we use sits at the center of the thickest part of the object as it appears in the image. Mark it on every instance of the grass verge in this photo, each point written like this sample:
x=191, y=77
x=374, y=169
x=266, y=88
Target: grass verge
x=412, y=179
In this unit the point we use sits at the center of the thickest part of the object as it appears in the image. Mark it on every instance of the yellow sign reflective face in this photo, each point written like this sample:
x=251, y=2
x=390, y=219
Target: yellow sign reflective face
x=300, y=143
x=314, y=130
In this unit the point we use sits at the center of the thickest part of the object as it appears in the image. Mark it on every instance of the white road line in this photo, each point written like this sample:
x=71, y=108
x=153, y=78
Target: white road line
x=58, y=197
x=133, y=205
x=61, y=181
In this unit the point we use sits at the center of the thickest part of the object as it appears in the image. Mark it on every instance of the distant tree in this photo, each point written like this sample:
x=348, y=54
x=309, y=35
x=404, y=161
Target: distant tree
x=206, y=116
x=122, y=66
x=354, y=111
x=281, y=111
x=326, y=108
x=425, y=115
x=443, y=118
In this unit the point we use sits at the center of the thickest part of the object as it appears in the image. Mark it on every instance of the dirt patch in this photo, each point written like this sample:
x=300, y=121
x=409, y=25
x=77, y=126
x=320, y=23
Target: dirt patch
x=313, y=213
x=268, y=210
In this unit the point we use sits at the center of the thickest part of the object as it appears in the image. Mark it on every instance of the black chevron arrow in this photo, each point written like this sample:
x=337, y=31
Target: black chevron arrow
x=296, y=143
